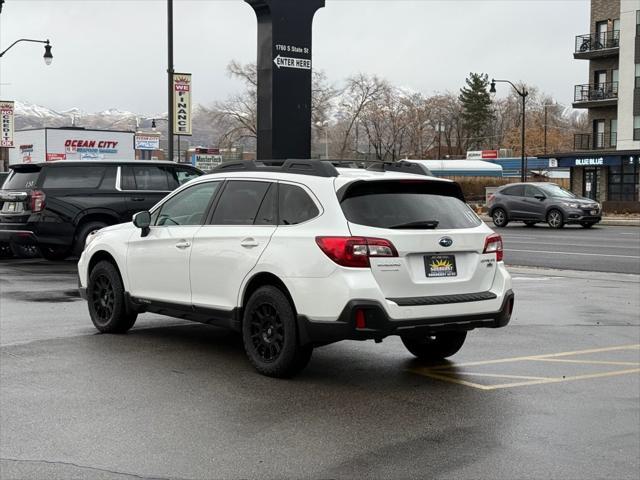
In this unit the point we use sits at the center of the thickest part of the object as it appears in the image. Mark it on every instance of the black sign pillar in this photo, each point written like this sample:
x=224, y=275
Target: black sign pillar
x=284, y=77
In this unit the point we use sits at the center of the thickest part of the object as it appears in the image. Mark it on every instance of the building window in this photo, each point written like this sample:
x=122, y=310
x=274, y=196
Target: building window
x=637, y=23
x=637, y=75
x=623, y=181
x=636, y=127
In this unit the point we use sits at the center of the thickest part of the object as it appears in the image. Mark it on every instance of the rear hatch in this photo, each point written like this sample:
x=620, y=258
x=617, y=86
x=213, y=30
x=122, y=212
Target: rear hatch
x=439, y=239
x=17, y=193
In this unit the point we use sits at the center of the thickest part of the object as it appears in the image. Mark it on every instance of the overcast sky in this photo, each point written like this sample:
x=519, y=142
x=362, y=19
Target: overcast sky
x=112, y=53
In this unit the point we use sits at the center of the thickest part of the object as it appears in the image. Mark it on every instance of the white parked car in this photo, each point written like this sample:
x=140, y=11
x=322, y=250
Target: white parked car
x=303, y=255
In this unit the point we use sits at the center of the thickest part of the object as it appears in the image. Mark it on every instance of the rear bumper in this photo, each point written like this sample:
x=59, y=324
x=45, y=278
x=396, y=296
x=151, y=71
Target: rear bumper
x=379, y=325
x=31, y=234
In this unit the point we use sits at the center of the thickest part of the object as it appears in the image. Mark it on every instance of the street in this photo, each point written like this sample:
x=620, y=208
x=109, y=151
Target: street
x=601, y=248
x=553, y=395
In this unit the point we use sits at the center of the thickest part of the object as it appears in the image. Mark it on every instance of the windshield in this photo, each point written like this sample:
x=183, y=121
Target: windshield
x=557, y=192
x=21, y=179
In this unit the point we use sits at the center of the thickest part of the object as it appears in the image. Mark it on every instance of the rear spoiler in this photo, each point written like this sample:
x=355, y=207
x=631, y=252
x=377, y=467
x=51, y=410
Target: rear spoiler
x=418, y=185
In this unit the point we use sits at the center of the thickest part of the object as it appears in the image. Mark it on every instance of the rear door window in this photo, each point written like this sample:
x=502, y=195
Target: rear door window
x=144, y=177
x=79, y=176
x=240, y=202
x=516, y=191
x=22, y=179
x=406, y=205
x=531, y=191
x=294, y=205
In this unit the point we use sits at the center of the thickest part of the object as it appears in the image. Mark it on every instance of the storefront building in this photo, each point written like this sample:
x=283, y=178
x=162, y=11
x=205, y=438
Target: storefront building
x=604, y=160
x=612, y=178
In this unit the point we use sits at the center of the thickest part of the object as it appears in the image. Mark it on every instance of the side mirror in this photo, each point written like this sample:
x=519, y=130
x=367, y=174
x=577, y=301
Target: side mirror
x=539, y=196
x=142, y=220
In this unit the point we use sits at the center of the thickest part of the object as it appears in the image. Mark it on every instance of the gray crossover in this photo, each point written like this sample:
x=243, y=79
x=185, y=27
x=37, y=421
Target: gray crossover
x=533, y=203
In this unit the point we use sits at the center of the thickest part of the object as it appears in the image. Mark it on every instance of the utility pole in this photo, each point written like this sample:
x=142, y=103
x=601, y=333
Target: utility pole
x=170, y=72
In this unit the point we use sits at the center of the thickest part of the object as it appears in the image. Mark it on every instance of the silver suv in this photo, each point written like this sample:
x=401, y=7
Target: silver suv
x=533, y=203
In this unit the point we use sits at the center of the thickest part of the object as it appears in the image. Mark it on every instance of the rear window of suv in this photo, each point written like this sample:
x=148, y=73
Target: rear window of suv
x=23, y=178
x=80, y=176
x=407, y=205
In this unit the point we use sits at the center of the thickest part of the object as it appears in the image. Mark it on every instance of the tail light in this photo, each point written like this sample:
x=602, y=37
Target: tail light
x=493, y=243
x=355, y=251
x=37, y=201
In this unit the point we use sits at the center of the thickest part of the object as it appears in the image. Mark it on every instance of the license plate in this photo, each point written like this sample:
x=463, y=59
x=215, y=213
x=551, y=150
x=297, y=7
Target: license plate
x=594, y=212
x=440, y=265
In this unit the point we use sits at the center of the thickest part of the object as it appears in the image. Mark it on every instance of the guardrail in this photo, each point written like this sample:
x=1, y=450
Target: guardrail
x=597, y=41
x=591, y=92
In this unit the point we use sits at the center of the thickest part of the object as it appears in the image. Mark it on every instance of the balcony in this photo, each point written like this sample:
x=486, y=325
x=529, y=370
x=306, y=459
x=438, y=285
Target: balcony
x=595, y=95
x=599, y=141
x=597, y=45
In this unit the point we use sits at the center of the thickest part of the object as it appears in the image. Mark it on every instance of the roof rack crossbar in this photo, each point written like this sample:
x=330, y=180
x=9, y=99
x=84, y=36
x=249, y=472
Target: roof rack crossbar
x=401, y=166
x=316, y=168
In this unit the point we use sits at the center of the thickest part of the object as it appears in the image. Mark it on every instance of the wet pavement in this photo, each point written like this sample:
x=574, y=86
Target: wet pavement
x=556, y=394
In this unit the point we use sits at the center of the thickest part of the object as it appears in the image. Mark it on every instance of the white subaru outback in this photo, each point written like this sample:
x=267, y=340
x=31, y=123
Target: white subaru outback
x=303, y=255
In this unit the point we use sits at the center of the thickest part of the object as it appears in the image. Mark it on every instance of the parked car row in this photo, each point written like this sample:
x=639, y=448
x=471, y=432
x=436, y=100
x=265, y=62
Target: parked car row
x=51, y=208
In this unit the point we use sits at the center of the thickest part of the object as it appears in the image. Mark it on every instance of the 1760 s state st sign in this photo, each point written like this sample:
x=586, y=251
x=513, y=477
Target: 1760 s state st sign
x=284, y=77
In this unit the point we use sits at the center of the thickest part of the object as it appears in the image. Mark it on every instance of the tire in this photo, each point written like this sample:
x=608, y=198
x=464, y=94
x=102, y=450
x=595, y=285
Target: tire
x=270, y=336
x=587, y=224
x=530, y=224
x=24, y=251
x=435, y=347
x=83, y=232
x=499, y=216
x=53, y=252
x=555, y=218
x=105, y=298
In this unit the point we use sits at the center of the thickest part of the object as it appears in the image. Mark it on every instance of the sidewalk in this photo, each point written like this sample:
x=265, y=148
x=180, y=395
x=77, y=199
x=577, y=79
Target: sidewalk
x=612, y=220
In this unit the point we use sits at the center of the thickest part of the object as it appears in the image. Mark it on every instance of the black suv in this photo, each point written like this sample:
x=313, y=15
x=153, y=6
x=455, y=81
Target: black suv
x=55, y=206
x=532, y=203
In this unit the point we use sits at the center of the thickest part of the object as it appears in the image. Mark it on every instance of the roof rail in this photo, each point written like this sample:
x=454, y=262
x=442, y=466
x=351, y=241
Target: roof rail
x=299, y=167
x=401, y=166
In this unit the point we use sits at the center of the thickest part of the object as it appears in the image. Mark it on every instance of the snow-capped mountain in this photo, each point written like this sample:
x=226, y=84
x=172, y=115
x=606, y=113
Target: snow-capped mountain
x=29, y=116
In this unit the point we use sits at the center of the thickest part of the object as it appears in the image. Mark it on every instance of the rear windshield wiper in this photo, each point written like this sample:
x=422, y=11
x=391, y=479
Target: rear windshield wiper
x=426, y=224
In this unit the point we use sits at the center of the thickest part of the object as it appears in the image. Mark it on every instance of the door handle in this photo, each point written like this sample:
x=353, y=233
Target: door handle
x=137, y=199
x=249, y=243
x=183, y=244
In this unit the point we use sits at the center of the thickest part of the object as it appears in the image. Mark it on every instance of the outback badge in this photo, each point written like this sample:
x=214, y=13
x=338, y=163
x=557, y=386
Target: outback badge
x=446, y=241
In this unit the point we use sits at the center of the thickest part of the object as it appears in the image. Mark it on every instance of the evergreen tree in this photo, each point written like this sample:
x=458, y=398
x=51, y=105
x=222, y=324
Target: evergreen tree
x=476, y=109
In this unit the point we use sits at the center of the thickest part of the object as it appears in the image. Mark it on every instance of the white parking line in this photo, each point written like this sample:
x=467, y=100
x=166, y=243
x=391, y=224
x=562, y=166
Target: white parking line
x=574, y=253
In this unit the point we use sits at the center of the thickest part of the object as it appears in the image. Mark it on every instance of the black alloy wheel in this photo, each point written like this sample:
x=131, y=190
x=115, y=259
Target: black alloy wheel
x=499, y=217
x=105, y=298
x=270, y=334
x=267, y=332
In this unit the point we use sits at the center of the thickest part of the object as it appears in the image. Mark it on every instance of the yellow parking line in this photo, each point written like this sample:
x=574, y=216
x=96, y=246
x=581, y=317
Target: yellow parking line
x=565, y=379
x=445, y=373
x=499, y=375
x=536, y=357
x=586, y=362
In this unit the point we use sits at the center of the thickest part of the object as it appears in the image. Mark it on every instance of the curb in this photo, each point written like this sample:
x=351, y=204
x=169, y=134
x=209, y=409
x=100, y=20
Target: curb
x=614, y=222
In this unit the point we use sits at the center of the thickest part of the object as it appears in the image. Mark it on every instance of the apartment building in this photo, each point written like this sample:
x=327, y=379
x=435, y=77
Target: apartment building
x=604, y=163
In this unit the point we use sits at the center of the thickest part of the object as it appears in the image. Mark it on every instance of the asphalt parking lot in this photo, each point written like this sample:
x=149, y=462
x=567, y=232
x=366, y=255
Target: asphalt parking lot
x=601, y=248
x=554, y=395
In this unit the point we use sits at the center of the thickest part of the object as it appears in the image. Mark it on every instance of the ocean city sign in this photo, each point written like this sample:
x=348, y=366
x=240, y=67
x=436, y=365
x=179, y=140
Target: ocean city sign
x=284, y=77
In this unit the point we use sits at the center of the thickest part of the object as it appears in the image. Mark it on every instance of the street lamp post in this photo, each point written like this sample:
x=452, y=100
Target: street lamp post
x=523, y=94
x=48, y=57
